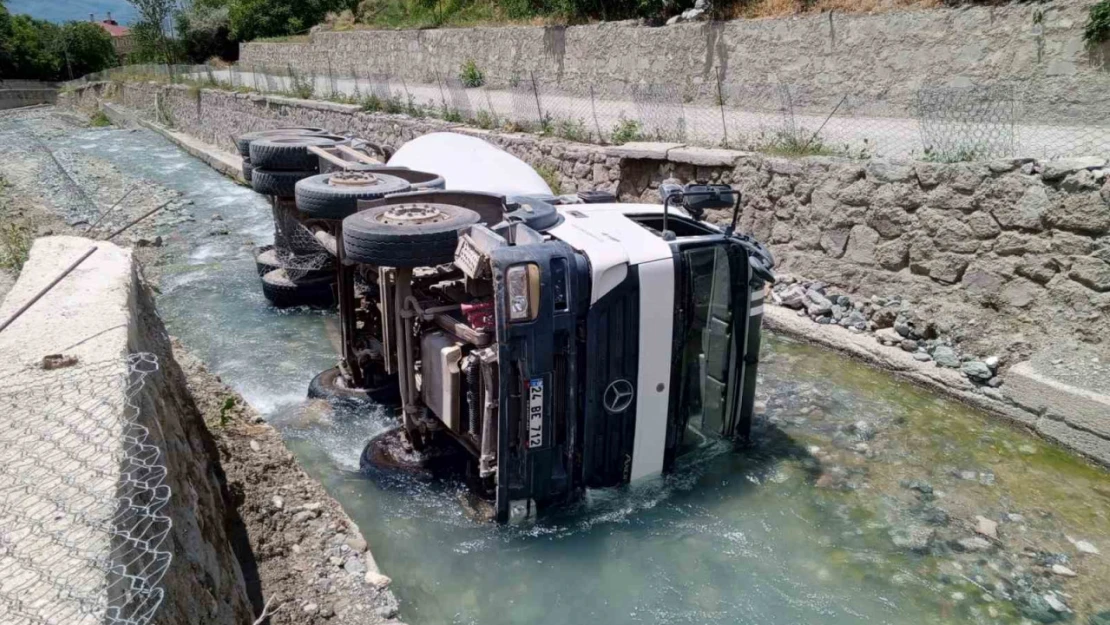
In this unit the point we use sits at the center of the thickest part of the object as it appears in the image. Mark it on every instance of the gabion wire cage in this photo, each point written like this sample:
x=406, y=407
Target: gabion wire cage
x=83, y=494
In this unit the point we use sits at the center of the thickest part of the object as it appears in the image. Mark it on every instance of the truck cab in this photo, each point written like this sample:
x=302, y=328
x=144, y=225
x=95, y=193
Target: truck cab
x=642, y=344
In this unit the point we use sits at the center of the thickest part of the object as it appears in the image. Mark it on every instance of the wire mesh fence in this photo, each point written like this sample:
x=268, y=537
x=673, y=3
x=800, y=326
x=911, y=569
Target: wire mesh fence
x=82, y=498
x=940, y=123
x=298, y=251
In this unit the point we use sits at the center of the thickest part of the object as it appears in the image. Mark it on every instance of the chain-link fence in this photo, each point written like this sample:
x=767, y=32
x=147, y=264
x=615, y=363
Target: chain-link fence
x=82, y=497
x=941, y=123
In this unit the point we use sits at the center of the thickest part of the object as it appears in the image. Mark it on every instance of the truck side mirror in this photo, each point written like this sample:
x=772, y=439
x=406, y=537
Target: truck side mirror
x=669, y=190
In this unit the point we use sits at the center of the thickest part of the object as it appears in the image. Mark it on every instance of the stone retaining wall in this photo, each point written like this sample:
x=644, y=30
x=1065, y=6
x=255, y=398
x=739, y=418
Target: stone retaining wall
x=880, y=58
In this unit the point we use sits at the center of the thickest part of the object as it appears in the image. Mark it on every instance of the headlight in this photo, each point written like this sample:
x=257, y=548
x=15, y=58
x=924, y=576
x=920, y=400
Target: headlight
x=522, y=287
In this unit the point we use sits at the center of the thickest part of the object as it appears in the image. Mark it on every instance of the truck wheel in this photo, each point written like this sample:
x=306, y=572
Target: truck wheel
x=290, y=153
x=336, y=195
x=330, y=385
x=275, y=182
x=243, y=142
x=248, y=169
x=284, y=293
x=406, y=235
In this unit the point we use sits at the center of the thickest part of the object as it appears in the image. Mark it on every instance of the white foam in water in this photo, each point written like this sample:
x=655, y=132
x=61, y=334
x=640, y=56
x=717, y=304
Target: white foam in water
x=171, y=283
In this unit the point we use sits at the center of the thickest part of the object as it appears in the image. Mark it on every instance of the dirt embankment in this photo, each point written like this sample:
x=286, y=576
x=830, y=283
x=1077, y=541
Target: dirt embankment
x=303, y=559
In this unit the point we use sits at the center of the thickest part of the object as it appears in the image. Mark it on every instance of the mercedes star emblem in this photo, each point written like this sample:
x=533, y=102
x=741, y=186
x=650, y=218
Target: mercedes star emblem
x=618, y=396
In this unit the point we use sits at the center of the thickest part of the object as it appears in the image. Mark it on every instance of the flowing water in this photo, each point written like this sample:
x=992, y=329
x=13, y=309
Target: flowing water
x=804, y=527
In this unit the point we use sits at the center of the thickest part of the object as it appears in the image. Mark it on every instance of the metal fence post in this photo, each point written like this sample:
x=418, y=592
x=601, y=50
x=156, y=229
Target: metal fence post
x=593, y=108
x=442, y=95
x=536, y=91
x=721, y=104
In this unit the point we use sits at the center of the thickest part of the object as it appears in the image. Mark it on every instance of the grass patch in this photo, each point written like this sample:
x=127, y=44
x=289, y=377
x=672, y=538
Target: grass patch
x=99, y=120
x=551, y=177
x=793, y=145
x=227, y=410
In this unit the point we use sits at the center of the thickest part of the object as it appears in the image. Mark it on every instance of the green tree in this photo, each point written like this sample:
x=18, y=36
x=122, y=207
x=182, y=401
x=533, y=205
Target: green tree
x=32, y=53
x=204, y=32
x=85, y=48
x=251, y=19
x=7, y=63
x=154, y=15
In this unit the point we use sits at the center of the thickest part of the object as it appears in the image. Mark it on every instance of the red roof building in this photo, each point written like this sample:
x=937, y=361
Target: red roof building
x=121, y=35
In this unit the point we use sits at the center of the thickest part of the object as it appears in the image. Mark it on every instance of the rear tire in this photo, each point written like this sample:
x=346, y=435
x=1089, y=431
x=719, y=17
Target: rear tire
x=330, y=385
x=319, y=198
x=248, y=170
x=243, y=142
x=290, y=153
x=274, y=182
x=416, y=235
x=284, y=293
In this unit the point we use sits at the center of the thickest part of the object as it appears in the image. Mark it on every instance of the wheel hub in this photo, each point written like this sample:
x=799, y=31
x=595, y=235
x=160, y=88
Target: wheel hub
x=353, y=179
x=413, y=214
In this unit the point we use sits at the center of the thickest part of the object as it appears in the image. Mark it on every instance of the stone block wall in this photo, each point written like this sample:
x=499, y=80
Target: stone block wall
x=881, y=59
x=1014, y=238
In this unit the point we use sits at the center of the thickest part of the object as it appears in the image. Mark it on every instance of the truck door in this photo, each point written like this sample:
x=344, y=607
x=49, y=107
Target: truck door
x=705, y=344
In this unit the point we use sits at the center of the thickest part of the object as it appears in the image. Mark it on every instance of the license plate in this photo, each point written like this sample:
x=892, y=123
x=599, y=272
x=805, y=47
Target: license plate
x=468, y=258
x=535, y=413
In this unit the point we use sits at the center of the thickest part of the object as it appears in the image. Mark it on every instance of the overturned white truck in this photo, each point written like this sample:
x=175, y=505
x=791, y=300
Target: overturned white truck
x=562, y=343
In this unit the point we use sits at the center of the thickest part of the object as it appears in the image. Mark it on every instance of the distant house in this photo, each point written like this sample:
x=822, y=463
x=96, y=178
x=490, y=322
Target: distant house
x=122, y=39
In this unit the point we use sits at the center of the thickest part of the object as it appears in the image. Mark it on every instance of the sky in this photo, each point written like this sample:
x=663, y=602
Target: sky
x=68, y=10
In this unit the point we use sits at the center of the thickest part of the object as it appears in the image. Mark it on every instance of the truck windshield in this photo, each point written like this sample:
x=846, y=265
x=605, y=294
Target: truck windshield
x=706, y=345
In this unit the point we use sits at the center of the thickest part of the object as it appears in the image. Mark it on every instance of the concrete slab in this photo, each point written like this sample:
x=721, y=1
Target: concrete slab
x=85, y=315
x=1035, y=389
x=642, y=150
x=705, y=157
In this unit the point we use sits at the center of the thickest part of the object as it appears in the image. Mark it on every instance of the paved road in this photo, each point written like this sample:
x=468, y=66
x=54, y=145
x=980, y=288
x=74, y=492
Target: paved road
x=581, y=116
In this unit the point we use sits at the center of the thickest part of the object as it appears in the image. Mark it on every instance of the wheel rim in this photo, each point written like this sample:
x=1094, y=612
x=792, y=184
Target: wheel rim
x=354, y=179
x=413, y=215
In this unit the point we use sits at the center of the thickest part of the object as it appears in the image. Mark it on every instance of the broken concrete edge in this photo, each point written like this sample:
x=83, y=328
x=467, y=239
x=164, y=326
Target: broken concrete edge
x=1067, y=431
x=228, y=164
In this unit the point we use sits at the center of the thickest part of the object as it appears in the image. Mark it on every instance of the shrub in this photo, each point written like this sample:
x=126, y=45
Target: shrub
x=572, y=130
x=626, y=131
x=471, y=76
x=371, y=103
x=99, y=120
x=1098, y=24
x=485, y=120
